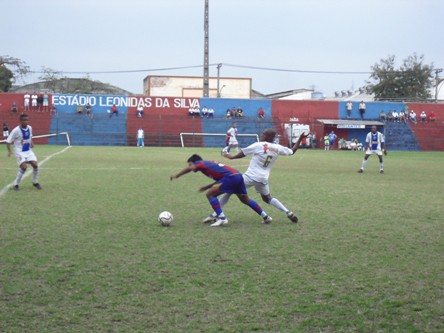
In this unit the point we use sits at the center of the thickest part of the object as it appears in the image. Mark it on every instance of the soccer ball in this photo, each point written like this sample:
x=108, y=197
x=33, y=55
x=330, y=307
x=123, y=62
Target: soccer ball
x=165, y=219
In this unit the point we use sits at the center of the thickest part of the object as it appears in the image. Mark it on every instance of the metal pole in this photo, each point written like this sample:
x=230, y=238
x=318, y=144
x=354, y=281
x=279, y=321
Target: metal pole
x=206, y=71
x=218, y=79
x=437, y=71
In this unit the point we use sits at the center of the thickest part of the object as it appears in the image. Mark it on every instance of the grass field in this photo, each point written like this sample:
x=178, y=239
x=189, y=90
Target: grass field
x=86, y=254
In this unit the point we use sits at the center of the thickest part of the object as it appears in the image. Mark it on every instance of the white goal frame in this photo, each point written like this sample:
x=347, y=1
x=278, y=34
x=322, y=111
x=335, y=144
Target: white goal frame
x=215, y=134
x=68, y=139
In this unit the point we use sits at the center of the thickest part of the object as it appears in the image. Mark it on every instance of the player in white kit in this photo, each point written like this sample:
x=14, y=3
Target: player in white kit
x=21, y=137
x=232, y=140
x=375, y=145
x=265, y=154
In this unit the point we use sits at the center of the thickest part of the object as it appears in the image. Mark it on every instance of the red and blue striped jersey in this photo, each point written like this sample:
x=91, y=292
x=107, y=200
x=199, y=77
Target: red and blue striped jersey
x=214, y=170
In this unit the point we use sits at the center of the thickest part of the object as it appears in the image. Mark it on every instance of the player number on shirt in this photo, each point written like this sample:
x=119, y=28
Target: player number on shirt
x=267, y=161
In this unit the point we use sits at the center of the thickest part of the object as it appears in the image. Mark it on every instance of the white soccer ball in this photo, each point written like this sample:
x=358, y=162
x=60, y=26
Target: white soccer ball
x=165, y=219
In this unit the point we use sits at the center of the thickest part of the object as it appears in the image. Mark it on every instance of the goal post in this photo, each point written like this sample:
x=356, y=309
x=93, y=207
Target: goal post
x=201, y=135
x=44, y=136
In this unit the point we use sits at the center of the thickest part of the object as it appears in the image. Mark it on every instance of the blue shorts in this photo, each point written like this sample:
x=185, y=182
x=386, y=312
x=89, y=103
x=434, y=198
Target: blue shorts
x=233, y=184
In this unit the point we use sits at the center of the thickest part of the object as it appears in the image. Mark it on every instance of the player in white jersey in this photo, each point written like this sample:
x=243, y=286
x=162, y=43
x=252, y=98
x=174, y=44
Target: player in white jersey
x=265, y=154
x=375, y=145
x=231, y=136
x=21, y=137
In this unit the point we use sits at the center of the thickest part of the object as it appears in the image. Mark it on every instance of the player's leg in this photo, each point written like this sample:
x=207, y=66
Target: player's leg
x=381, y=162
x=35, y=174
x=21, y=171
x=245, y=199
x=264, y=191
x=223, y=200
x=212, y=195
x=364, y=161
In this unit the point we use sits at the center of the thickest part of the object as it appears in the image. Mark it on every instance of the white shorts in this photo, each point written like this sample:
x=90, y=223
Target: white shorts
x=261, y=188
x=34, y=102
x=371, y=152
x=233, y=141
x=25, y=157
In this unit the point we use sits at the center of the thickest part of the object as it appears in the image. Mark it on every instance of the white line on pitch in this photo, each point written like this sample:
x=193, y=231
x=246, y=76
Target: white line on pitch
x=29, y=171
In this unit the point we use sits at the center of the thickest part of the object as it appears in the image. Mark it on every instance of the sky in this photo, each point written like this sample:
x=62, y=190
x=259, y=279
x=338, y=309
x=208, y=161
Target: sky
x=144, y=36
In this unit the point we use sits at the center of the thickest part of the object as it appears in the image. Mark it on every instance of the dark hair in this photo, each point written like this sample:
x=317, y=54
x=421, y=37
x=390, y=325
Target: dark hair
x=23, y=116
x=194, y=158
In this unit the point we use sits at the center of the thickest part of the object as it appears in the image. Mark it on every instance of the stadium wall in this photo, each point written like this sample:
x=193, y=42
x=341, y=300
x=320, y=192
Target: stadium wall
x=166, y=117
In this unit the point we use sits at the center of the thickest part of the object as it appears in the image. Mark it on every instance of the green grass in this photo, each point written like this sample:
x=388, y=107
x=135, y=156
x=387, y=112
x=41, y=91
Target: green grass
x=86, y=254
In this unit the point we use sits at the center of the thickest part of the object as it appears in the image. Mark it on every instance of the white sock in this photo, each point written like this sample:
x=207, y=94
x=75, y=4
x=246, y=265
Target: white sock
x=381, y=166
x=35, y=175
x=18, y=179
x=364, y=162
x=276, y=203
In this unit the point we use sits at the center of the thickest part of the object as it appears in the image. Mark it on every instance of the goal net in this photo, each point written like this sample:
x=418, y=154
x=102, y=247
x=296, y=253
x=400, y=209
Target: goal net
x=214, y=139
x=61, y=138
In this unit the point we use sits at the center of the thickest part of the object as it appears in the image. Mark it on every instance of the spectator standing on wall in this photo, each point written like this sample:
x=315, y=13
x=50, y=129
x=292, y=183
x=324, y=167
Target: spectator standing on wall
x=114, y=110
x=204, y=112
x=402, y=116
x=34, y=101
x=362, y=108
x=228, y=114
x=395, y=116
x=210, y=113
x=349, y=108
x=40, y=102
x=27, y=98
x=79, y=109
x=45, y=102
x=412, y=117
x=240, y=112
x=88, y=110
x=53, y=110
x=140, y=111
x=261, y=113
x=383, y=116
x=140, y=137
x=432, y=116
x=233, y=112
x=423, y=116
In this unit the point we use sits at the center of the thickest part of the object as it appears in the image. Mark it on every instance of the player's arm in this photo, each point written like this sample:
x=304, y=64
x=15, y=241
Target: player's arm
x=234, y=157
x=298, y=143
x=8, y=145
x=206, y=187
x=183, y=172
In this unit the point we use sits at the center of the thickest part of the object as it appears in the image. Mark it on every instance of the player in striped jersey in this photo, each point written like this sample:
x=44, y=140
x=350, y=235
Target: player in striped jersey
x=227, y=180
x=21, y=137
x=375, y=145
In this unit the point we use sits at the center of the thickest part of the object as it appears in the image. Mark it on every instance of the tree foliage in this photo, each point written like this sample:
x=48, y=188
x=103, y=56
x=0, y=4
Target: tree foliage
x=17, y=67
x=6, y=77
x=411, y=81
x=50, y=78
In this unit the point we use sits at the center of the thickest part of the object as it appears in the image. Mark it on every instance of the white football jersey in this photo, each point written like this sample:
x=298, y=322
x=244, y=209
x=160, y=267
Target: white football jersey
x=232, y=132
x=16, y=137
x=265, y=155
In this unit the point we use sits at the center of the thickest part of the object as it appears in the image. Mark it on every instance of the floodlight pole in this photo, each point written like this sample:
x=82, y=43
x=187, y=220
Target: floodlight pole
x=437, y=82
x=218, y=79
x=206, y=71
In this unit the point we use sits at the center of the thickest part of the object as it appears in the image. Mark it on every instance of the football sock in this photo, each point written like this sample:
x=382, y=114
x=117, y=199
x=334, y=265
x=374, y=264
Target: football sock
x=224, y=199
x=214, y=202
x=381, y=166
x=253, y=205
x=364, y=162
x=276, y=203
x=20, y=174
x=35, y=173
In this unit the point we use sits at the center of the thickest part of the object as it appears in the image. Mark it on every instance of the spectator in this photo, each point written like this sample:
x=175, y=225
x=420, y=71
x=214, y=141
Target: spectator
x=261, y=113
x=383, y=116
x=332, y=137
x=432, y=116
x=362, y=108
x=34, y=101
x=53, y=110
x=342, y=144
x=5, y=130
x=395, y=116
x=349, y=108
x=191, y=112
x=79, y=109
x=40, y=102
x=412, y=117
x=45, y=102
x=312, y=138
x=88, y=110
x=14, y=107
x=233, y=112
x=228, y=115
x=27, y=98
x=423, y=116
x=114, y=111
x=390, y=116
x=140, y=111
x=140, y=137
x=402, y=117
x=210, y=113
x=326, y=142
x=240, y=112
x=354, y=144
x=204, y=112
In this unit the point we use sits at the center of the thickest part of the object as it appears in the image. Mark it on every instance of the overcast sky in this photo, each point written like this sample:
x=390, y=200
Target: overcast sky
x=312, y=35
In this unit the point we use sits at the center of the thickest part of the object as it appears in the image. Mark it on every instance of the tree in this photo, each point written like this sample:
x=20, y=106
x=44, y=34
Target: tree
x=6, y=77
x=412, y=81
x=19, y=68
x=50, y=78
